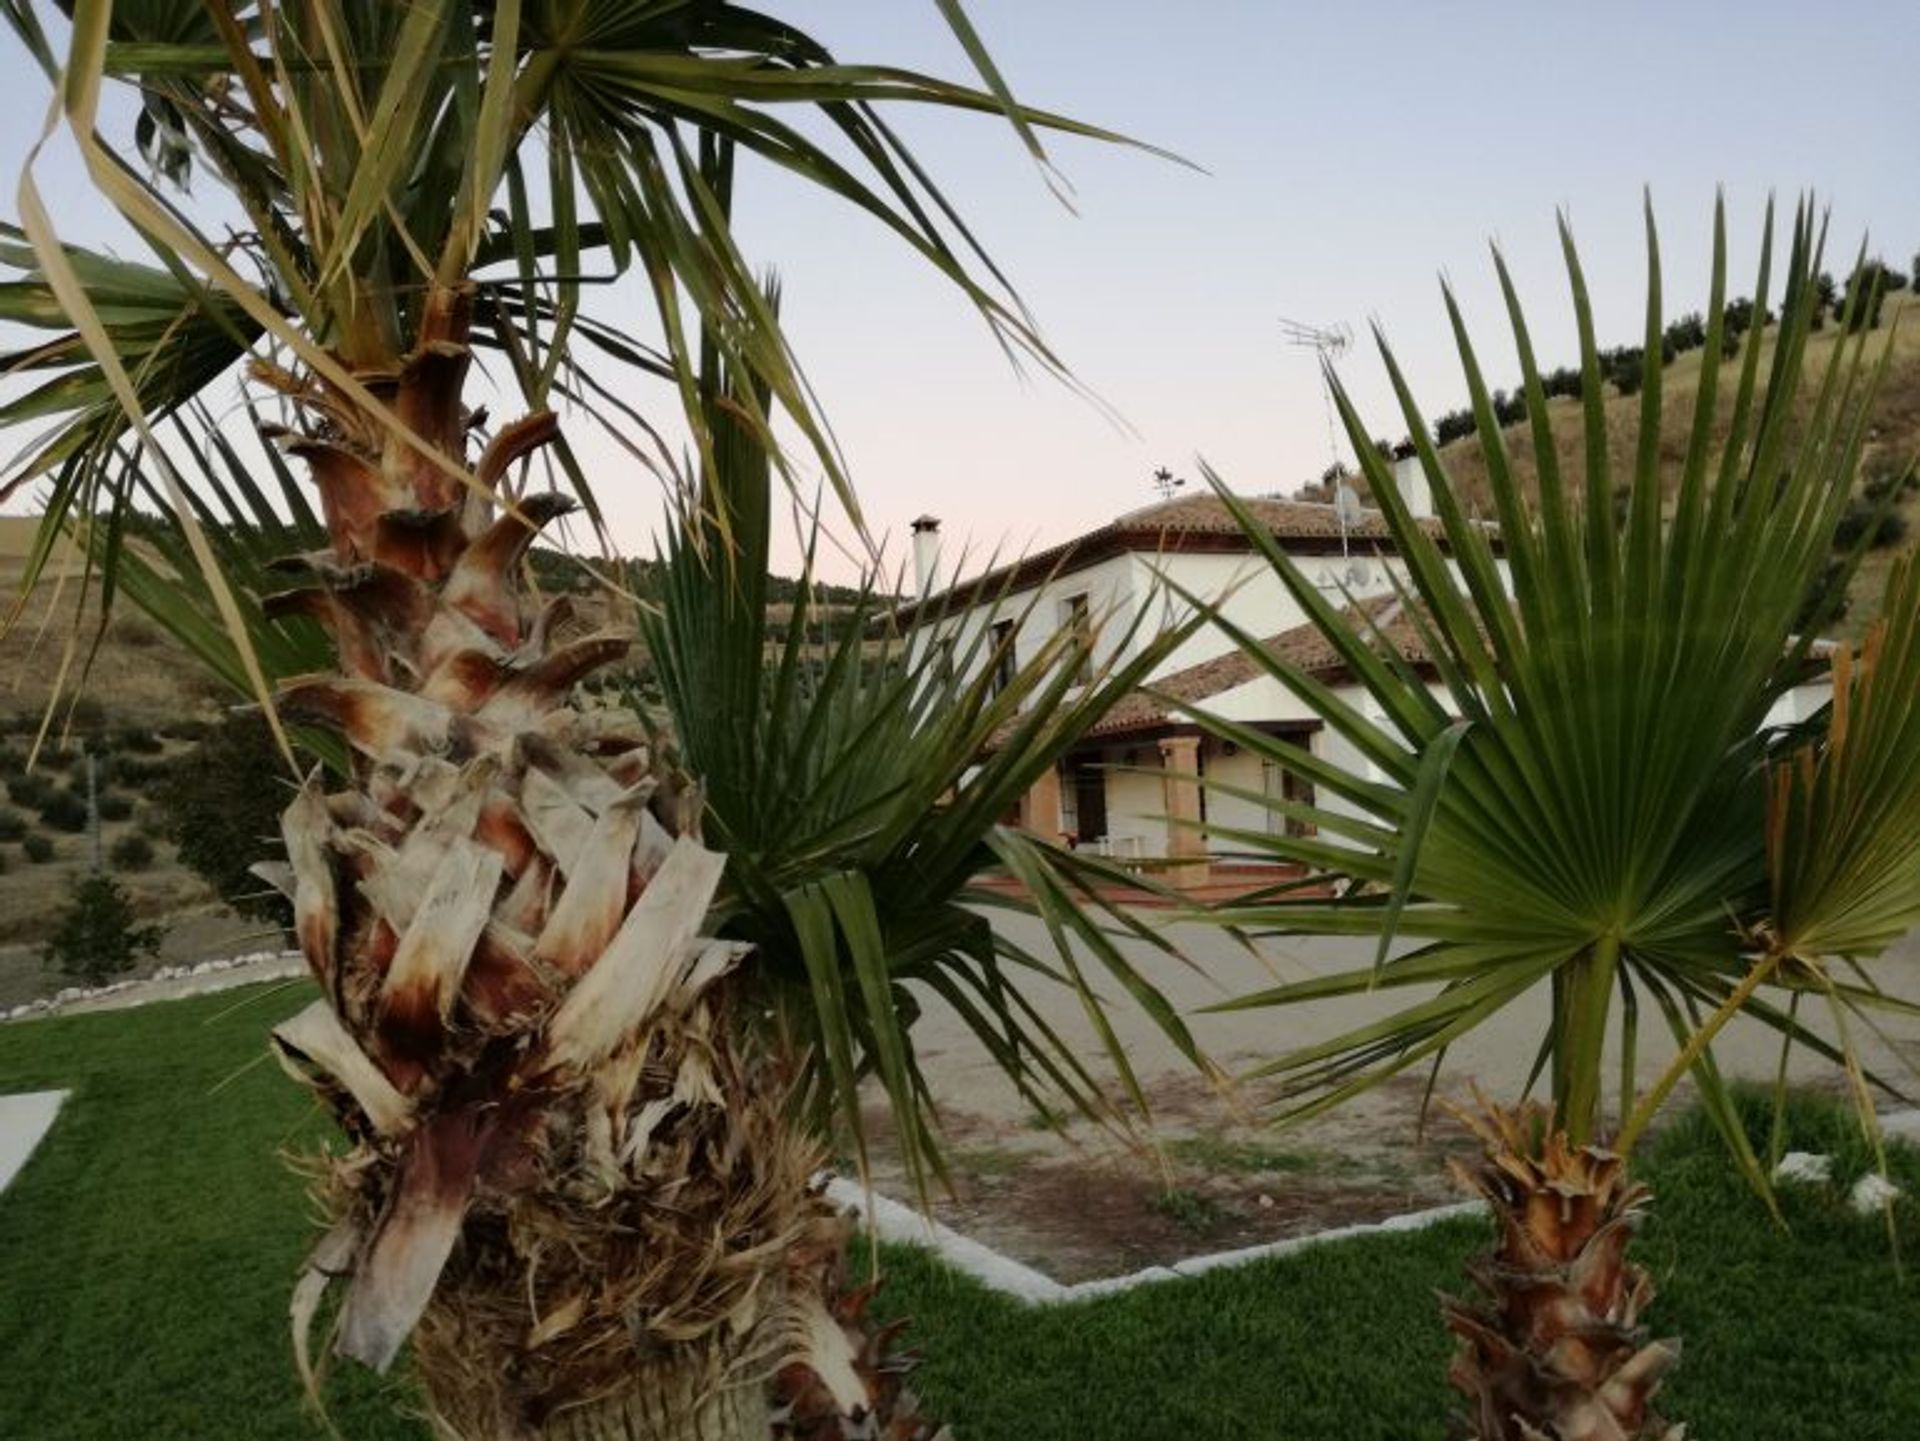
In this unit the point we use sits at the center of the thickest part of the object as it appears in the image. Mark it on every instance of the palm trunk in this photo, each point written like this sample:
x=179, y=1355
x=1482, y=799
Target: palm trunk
x=1554, y=1349
x=686, y=1397
x=571, y=1176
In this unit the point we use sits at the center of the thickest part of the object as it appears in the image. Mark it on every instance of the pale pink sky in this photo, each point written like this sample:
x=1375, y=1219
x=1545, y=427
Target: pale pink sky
x=1353, y=153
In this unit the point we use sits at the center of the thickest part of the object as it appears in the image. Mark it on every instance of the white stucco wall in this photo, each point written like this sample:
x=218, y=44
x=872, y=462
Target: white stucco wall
x=1248, y=593
x=1036, y=612
x=1245, y=587
x=1136, y=802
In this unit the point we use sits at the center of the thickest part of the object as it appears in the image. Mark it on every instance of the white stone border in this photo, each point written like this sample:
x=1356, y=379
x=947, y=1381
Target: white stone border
x=241, y=971
x=902, y=1225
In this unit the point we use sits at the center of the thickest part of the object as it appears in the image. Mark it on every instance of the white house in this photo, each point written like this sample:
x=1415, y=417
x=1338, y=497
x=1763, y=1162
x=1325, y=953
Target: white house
x=1144, y=769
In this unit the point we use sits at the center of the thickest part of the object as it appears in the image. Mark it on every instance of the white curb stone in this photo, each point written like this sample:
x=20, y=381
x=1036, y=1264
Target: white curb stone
x=1111, y=1285
x=24, y=1121
x=1872, y=1192
x=902, y=1225
x=1806, y=1167
x=237, y=971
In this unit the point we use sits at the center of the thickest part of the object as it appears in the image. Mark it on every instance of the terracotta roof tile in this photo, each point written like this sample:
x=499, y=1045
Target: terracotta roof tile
x=1190, y=522
x=1303, y=647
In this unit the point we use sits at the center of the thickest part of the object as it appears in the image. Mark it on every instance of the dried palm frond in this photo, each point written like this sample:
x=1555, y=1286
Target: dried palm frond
x=571, y=1175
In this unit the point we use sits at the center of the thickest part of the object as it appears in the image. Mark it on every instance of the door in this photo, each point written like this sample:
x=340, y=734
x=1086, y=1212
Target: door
x=1089, y=801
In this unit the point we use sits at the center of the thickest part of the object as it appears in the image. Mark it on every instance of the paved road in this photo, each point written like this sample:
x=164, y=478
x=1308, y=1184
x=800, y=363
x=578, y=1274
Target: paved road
x=1498, y=1056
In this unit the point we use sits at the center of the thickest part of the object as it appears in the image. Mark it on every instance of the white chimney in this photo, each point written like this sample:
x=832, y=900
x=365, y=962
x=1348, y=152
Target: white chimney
x=926, y=554
x=1411, y=481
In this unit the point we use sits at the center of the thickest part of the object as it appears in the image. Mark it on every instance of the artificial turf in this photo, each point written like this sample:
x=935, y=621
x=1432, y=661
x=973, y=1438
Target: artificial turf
x=147, y=1249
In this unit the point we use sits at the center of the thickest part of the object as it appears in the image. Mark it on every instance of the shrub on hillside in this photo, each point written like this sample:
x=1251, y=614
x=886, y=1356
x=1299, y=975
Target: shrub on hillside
x=1565, y=381
x=29, y=790
x=1626, y=366
x=221, y=803
x=1689, y=332
x=1739, y=316
x=64, y=811
x=13, y=761
x=1859, y=520
x=132, y=852
x=96, y=938
x=37, y=848
x=1826, y=293
x=1454, y=425
x=13, y=825
x=138, y=740
x=135, y=773
x=115, y=806
x=1866, y=294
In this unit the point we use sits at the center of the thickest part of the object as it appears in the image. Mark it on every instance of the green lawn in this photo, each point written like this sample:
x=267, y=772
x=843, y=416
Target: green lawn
x=146, y=1252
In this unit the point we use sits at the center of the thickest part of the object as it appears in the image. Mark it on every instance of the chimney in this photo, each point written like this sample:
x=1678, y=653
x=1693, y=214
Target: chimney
x=926, y=554
x=1411, y=481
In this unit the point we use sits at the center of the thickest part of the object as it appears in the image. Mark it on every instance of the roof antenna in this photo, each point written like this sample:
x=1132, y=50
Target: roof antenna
x=1165, y=483
x=1329, y=343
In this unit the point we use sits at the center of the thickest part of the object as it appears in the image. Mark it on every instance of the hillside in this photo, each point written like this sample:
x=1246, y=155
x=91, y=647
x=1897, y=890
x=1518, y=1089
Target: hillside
x=1894, y=435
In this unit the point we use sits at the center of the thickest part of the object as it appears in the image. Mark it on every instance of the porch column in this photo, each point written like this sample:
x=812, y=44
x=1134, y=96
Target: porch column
x=1040, y=806
x=1180, y=759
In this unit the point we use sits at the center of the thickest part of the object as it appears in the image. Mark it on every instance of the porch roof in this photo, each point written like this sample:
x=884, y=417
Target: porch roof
x=1303, y=647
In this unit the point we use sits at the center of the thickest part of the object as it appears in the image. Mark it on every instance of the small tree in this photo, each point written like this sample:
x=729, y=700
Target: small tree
x=1826, y=294
x=220, y=804
x=1689, y=332
x=132, y=852
x=97, y=938
x=64, y=811
x=37, y=848
x=1866, y=293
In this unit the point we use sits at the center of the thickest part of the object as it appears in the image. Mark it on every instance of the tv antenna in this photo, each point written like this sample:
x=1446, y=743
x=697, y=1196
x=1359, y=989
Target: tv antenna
x=1165, y=483
x=1329, y=342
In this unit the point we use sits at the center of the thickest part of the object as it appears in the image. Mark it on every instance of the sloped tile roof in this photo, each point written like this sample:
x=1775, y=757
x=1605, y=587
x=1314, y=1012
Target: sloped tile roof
x=1303, y=647
x=1192, y=522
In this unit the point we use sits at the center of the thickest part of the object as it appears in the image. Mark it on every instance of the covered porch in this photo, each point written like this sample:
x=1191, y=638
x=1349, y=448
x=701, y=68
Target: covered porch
x=1148, y=796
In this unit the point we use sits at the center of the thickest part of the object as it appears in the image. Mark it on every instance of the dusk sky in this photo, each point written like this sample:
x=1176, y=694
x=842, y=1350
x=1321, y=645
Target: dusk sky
x=1352, y=154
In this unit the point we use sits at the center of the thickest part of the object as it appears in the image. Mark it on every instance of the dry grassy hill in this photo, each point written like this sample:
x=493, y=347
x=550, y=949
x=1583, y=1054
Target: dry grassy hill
x=141, y=689
x=1894, y=435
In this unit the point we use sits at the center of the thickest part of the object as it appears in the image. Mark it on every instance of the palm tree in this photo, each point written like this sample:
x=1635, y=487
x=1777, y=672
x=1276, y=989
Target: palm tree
x=582, y=1114
x=1592, y=801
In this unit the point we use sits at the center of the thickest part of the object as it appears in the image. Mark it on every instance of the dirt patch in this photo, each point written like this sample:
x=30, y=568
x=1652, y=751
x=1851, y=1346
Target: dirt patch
x=1213, y=1176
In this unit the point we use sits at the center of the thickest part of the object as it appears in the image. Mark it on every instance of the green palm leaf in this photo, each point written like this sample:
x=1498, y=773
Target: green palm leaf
x=1599, y=828
x=857, y=786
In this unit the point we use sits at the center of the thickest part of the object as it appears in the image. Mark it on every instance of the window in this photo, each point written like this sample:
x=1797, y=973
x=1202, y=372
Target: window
x=1281, y=784
x=1002, y=660
x=1077, y=621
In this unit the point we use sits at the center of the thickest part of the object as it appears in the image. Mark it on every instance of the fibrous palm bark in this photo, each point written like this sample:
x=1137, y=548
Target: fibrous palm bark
x=570, y=1173
x=1554, y=1350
